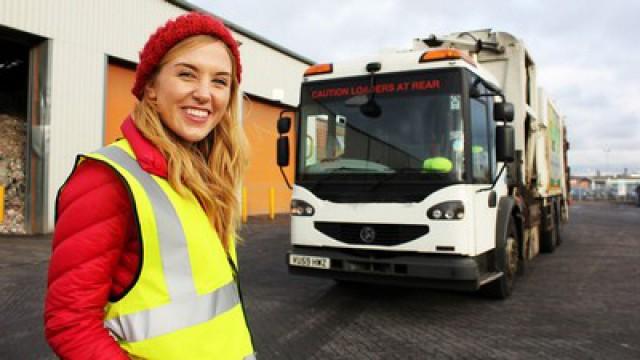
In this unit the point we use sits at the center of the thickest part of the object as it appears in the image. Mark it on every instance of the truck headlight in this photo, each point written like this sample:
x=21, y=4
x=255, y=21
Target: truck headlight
x=450, y=210
x=301, y=208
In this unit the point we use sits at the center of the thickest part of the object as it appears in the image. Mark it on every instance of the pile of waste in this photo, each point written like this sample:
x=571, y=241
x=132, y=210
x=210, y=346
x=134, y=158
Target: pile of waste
x=12, y=173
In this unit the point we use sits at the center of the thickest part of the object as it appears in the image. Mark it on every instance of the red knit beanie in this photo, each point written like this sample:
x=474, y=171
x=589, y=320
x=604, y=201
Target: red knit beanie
x=173, y=32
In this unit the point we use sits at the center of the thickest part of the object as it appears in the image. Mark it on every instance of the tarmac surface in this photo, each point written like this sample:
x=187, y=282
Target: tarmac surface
x=581, y=302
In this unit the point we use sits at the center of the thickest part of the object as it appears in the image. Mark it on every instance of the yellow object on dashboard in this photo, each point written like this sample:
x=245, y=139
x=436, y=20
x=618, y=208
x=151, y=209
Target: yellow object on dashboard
x=438, y=165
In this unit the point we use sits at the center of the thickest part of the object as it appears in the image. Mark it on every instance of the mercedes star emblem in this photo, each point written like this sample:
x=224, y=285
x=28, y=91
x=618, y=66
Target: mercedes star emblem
x=367, y=234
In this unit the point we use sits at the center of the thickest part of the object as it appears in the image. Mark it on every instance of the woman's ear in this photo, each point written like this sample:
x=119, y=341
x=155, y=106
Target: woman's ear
x=150, y=92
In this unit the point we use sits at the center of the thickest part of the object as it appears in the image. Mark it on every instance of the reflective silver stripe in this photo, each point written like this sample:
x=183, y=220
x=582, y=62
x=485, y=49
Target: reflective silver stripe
x=186, y=308
x=250, y=357
x=175, y=316
x=173, y=244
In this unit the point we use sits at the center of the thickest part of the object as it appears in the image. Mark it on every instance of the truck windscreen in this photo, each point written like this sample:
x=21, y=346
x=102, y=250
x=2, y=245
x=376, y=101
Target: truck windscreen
x=416, y=126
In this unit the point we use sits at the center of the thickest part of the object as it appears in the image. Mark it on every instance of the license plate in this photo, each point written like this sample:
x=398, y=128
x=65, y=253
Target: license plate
x=310, y=261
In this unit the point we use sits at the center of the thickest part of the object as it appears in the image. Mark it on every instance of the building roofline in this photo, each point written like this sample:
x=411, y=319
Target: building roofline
x=272, y=102
x=239, y=29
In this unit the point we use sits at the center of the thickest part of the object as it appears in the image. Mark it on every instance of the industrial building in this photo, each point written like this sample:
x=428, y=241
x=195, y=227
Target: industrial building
x=66, y=70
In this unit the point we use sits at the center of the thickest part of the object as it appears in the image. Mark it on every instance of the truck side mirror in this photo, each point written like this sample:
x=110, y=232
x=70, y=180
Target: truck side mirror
x=283, y=151
x=505, y=144
x=284, y=125
x=282, y=145
x=503, y=111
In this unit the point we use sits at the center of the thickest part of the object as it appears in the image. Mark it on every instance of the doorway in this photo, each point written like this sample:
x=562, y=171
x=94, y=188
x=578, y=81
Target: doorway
x=23, y=128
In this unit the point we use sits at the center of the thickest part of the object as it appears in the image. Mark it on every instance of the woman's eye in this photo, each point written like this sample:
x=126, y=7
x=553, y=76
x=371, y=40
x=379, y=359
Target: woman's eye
x=186, y=75
x=222, y=82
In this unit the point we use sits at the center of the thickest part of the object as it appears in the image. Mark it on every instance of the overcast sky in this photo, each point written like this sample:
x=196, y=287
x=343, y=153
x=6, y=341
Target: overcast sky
x=586, y=52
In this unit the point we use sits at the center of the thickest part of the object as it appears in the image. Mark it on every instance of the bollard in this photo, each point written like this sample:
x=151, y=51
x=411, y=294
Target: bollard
x=1, y=203
x=244, y=205
x=272, y=203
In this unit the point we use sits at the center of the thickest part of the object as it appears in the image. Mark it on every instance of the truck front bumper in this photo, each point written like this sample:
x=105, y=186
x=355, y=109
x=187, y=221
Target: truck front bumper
x=444, y=271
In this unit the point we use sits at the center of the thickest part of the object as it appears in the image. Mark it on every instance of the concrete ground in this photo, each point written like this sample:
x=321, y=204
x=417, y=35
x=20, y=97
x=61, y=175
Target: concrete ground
x=581, y=302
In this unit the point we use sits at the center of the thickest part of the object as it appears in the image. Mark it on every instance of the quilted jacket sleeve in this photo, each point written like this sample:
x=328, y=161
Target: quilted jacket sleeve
x=93, y=225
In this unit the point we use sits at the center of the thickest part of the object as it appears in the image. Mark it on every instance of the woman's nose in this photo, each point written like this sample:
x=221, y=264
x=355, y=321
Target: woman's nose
x=202, y=92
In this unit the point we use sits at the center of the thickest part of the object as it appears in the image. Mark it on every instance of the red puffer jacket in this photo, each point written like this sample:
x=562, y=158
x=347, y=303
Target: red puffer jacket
x=96, y=253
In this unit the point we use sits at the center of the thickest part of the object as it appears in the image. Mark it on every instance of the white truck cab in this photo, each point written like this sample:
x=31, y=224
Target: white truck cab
x=410, y=166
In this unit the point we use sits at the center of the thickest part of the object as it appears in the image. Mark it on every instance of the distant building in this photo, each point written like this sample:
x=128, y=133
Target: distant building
x=580, y=183
x=605, y=187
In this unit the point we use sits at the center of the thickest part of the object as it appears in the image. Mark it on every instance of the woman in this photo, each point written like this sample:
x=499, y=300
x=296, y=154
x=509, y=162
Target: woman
x=143, y=261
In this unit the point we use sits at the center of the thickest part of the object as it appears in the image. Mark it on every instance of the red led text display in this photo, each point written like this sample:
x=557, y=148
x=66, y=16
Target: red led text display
x=383, y=88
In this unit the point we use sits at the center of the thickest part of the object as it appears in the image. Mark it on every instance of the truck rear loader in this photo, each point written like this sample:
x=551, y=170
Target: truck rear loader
x=441, y=166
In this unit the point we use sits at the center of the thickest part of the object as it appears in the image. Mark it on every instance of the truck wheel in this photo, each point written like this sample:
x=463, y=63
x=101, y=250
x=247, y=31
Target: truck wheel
x=549, y=238
x=558, y=228
x=507, y=261
x=522, y=259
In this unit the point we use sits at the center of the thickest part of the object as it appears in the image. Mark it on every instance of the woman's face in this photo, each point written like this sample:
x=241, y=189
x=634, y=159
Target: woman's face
x=192, y=91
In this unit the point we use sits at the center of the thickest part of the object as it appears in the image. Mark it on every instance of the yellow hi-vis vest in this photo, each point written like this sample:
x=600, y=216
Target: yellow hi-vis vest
x=185, y=303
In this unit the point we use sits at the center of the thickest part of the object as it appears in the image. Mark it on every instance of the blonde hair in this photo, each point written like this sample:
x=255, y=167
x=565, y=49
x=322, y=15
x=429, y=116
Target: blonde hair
x=211, y=169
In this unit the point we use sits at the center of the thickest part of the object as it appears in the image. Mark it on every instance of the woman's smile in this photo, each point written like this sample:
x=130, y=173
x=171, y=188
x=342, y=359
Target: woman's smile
x=196, y=115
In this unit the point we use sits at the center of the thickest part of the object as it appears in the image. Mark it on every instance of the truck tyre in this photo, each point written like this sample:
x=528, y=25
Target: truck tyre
x=549, y=238
x=508, y=262
x=558, y=228
x=523, y=249
x=522, y=260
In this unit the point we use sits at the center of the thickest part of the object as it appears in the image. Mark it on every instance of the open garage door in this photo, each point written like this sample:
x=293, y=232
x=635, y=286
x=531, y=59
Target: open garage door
x=119, y=101
x=24, y=125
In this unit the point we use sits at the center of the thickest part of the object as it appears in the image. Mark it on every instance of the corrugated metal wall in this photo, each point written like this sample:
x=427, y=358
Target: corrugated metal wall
x=265, y=71
x=82, y=33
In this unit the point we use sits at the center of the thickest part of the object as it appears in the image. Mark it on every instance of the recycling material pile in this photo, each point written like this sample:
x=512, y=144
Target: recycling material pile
x=12, y=173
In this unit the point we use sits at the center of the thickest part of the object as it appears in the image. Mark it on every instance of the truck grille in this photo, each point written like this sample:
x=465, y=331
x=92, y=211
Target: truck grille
x=371, y=234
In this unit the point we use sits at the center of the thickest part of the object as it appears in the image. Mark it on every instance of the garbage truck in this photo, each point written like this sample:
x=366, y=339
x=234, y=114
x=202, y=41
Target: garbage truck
x=441, y=166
